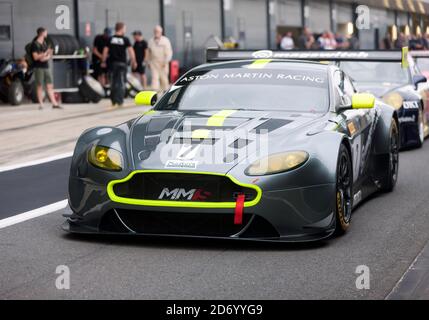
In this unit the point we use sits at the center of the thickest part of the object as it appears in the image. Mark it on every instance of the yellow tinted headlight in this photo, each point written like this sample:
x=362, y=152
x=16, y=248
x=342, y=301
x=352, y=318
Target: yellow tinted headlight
x=106, y=158
x=394, y=99
x=276, y=163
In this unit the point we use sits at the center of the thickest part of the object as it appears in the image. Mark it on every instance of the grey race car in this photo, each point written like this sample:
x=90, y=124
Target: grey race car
x=258, y=149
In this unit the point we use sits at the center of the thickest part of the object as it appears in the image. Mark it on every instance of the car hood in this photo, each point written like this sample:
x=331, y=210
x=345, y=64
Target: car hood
x=379, y=89
x=214, y=141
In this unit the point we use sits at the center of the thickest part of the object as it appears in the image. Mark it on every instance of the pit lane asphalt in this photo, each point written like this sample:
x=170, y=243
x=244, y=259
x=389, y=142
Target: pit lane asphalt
x=33, y=187
x=387, y=233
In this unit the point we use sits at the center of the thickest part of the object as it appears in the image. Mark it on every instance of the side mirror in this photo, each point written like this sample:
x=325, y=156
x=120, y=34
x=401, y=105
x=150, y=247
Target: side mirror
x=363, y=101
x=146, y=98
x=419, y=78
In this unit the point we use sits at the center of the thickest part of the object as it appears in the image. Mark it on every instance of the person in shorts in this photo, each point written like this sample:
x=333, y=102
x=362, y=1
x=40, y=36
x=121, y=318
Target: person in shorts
x=41, y=54
x=141, y=50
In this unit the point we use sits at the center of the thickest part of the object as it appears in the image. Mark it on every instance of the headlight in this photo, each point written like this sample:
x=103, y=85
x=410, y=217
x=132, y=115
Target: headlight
x=105, y=158
x=276, y=163
x=394, y=99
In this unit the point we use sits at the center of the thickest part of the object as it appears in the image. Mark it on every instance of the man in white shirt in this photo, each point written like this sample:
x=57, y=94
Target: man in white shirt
x=287, y=42
x=160, y=54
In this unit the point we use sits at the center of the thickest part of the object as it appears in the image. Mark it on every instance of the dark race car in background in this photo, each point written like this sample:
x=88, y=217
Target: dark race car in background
x=401, y=84
x=255, y=149
x=390, y=75
x=421, y=59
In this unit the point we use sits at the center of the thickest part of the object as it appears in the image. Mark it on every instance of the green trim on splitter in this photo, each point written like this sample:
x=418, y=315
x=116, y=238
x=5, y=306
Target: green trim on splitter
x=181, y=204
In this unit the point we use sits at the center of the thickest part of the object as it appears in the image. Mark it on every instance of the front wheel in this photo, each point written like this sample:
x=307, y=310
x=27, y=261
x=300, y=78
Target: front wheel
x=343, y=194
x=391, y=175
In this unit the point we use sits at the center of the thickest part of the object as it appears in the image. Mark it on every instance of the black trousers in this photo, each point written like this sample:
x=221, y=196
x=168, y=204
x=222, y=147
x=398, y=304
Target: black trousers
x=118, y=82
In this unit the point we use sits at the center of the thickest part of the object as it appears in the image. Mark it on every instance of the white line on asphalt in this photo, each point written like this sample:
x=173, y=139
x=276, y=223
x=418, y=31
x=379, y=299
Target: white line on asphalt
x=33, y=214
x=36, y=162
x=410, y=268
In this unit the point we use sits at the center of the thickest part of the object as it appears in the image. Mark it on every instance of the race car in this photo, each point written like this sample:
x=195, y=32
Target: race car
x=390, y=75
x=253, y=149
x=400, y=84
x=421, y=59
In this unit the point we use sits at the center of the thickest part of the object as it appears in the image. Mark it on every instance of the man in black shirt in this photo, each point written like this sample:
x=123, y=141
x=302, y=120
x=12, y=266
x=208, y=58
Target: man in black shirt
x=116, y=54
x=141, y=50
x=41, y=55
x=100, y=42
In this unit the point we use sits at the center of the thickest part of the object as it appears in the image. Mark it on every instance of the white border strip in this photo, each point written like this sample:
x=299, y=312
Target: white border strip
x=36, y=162
x=33, y=214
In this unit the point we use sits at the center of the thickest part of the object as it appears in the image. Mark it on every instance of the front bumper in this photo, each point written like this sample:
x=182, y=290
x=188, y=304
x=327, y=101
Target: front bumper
x=409, y=127
x=296, y=214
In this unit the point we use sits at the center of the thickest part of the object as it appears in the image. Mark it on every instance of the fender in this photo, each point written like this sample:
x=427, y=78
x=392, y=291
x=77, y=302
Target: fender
x=382, y=131
x=107, y=136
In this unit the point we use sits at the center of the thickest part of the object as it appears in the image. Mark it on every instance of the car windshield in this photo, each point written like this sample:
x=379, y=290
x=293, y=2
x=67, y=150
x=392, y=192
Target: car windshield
x=388, y=72
x=298, y=90
x=423, y=63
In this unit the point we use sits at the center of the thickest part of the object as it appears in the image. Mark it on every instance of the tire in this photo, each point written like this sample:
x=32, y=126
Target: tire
x=3, y=97
x=63, y=44
x=91, y=89
x=16, y=93
x=421, y=129
x=134, y=83
x=387, y=184
x=343, y=191
x=133, y=86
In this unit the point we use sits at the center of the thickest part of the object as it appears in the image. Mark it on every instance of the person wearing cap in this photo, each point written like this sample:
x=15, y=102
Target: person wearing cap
x=141, y=50
x=160, y=54
x=100, y=42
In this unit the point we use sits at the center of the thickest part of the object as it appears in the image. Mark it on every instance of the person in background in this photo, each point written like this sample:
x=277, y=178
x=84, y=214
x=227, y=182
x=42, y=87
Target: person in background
x=327, y=41
x=306, y=40
x=287, y=42
x=160, y=54
x=387, y=43
x=278, y=40
x=100, y=42
x=41, y=55
x=353, y=42
x=402, y=41
x=342, y=43
x=416, y=43
x=116, y=54
x=426, y=40
x=141, y=51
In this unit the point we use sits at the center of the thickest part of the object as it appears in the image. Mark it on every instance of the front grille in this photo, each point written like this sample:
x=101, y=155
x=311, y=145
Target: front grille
x=186, y=224
x=182, y=187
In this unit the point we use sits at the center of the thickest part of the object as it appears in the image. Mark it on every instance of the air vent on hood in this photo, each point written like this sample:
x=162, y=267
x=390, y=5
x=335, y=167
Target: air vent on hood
x=271, y=125
x=206, y=141
x=240, y=143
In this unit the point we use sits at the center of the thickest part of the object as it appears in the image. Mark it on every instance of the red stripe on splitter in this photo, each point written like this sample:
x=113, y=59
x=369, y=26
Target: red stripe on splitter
x=239, y=206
